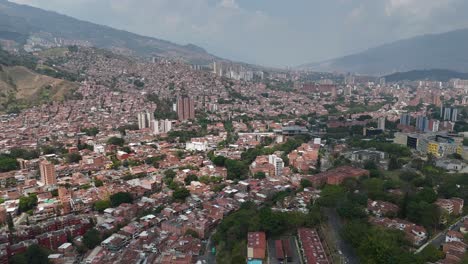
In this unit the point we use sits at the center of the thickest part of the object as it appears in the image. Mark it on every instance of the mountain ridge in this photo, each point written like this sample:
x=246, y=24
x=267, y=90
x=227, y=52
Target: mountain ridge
x=22, y=22
x=430, y=51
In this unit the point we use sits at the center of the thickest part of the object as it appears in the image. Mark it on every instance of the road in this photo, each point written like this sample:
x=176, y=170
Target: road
x=207, y=256
x=347, y=251
x=439, y=239
x=20, y=219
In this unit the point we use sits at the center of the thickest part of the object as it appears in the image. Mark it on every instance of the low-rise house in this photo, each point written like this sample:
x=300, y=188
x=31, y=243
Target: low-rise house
x=256, y=247
x=311, y=246
x=382, y=208
x=453, y=236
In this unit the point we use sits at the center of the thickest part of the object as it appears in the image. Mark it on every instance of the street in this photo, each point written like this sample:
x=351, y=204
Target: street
x=344, y=249
x=439, y=239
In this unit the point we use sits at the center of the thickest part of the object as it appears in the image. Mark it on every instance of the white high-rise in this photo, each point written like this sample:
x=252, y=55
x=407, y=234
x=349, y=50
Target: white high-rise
x=161, y=126
x=144, y=120
x=278, y=163
x=381, y=123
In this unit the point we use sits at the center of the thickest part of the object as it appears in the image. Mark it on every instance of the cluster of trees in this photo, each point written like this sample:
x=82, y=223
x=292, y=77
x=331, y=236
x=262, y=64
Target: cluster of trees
x=34, y=254
x=8, y=163
x=120, y=198
x=390, y=148
x=164, y=110
x=375, y=245
x=114, y=201
x=101, y=205
x=73, y=157
x=27, y=203
x=179, y=192
x=116, y=141
x=185, y=135
x=92, y=238
x=91, y=132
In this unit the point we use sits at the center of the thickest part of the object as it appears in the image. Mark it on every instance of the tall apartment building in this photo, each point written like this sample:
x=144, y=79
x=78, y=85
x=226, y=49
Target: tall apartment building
x=449, y=114
x=460, y=84
x=381, y=123
x=434, y=125
x=185, y=108
x=278, y=163
x=422, y=123
x=47, y=171
x=161, y=126
x=405, y=119
x=144, y=120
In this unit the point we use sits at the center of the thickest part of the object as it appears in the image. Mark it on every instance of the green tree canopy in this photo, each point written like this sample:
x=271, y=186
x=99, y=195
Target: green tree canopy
x=116, y=141
x=92, y=238
x=101, y=205
x=120, y=198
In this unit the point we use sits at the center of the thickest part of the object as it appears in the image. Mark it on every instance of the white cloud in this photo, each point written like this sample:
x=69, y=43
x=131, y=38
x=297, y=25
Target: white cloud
x=356, y=14
x=417, y=8
x=229, y=4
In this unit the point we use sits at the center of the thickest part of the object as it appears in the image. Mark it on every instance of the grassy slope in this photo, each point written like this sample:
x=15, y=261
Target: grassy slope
x=29, y=87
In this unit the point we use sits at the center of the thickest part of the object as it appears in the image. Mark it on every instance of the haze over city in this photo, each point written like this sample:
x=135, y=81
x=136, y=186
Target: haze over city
x=271, y=32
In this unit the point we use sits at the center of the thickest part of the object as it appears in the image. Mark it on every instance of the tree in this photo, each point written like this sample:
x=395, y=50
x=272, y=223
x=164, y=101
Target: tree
x=330, y=195
x=8, y=163
x=370, y=165
x=374, y=188
x=430, y=254
x=101, y=205
x=393, y=164
x=91, y=238
x=98, y=183
x=116, y=141
x=120, y=198
x=190, y=178
x=355, y=232
x=305, y=183
x=180, y=194
x=384, y=246
x=73, y=157
x=260, y=175
x=92, y=131
x=192, y=233
x=170, y=174
x=35, y=254
x=219, y=160
x=236, y=169
x=10, y=223
x=427, y=195
x=27, y=203
x=423, y=213
x=351, y=210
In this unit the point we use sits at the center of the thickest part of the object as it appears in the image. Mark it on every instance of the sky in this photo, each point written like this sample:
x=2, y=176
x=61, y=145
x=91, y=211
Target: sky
x=277, y=33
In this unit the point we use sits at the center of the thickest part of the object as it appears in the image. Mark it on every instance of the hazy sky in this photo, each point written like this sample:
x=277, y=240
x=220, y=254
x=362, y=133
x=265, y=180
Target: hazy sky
x=271, y=32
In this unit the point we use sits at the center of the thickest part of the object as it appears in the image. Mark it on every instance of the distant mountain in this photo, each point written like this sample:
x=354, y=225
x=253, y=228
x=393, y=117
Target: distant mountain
x=436, y=51
x=430, y=75
x=34, y=27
